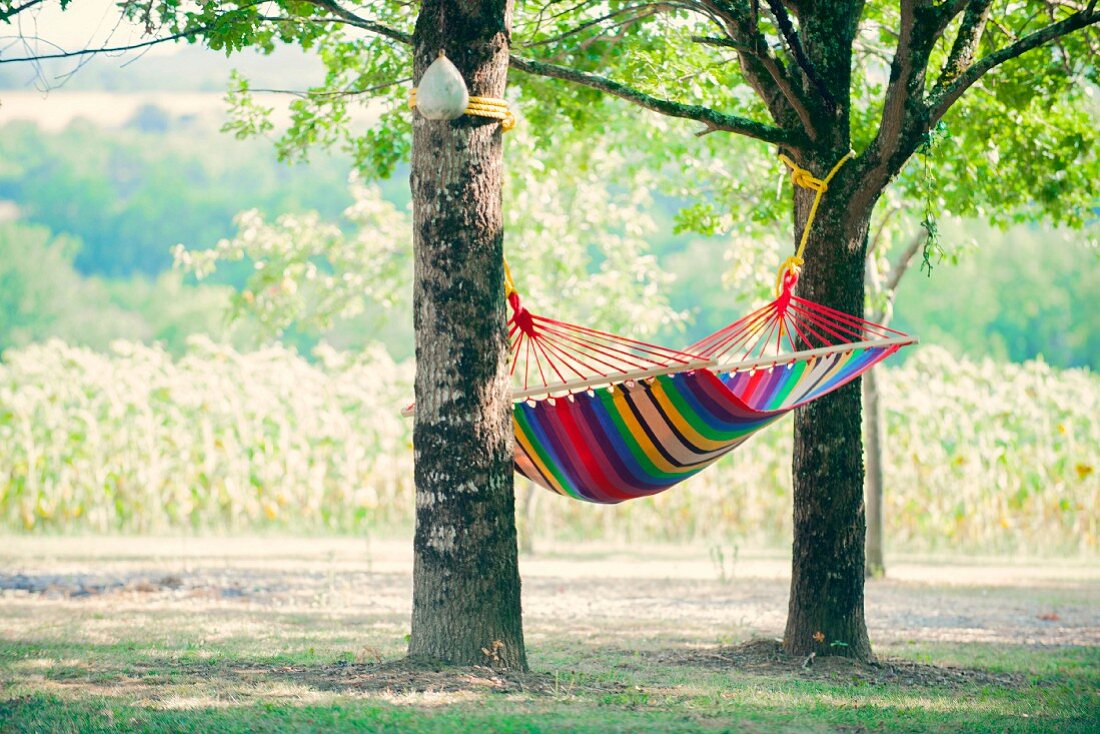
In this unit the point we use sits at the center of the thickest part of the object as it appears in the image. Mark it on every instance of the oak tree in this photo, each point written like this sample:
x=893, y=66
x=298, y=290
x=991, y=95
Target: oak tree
x=810, y=78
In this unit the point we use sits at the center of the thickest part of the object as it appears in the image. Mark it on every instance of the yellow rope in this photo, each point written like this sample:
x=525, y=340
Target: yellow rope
x=509, y=284
x=491, y=107
x=801, y=177
x=494, y=108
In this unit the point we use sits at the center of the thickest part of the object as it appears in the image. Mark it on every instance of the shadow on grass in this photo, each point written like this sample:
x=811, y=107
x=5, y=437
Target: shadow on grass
x=754, y=687
x=128, y=662
x=768, y=658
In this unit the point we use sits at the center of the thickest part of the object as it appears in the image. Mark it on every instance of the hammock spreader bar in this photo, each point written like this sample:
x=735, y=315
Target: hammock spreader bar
x=641, y=437
x=550, y=358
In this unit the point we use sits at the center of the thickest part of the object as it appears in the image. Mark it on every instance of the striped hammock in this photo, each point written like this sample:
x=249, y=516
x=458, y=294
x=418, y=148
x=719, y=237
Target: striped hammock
x=604, y=419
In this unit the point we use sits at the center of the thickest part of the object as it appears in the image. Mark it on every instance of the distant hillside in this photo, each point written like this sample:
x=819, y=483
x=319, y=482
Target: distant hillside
x=189, y=69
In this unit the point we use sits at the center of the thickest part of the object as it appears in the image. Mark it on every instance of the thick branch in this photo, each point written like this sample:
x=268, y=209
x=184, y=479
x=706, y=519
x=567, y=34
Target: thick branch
x=713, y=119
x=941, y=102
x=966, y=41
x=947, y=12
x=903, y=97
x=365, y=23
x=790, y=35
x=763, y=71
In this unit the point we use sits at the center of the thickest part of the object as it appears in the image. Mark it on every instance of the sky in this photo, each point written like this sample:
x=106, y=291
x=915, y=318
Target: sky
x=85, y=23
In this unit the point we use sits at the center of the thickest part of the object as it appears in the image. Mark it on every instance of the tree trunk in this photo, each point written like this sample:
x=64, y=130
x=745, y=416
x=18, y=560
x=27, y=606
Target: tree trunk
x=826, y=604
x=874, y=425
x=466, y=588
x=875, y=416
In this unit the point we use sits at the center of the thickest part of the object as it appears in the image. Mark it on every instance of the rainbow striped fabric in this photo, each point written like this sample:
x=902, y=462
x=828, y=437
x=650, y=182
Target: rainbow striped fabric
x=637, y=439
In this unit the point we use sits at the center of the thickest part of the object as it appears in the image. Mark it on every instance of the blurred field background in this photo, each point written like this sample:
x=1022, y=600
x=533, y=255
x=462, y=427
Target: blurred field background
x=131, y=403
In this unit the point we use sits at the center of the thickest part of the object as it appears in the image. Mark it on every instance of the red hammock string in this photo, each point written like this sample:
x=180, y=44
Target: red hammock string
x=549, y=353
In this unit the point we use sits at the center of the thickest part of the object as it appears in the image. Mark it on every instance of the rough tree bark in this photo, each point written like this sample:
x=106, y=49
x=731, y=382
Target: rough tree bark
x=874, y=426
x=825, y=614
x=466, y=587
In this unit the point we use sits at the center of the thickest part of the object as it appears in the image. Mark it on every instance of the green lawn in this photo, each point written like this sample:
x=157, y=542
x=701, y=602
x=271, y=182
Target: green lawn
x=316, y=646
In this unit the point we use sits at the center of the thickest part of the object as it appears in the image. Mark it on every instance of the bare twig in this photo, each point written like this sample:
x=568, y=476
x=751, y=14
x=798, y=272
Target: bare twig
x=6, y=15
x=876, y=238
x=314, y=94
x=365, y=23
x=108, y=49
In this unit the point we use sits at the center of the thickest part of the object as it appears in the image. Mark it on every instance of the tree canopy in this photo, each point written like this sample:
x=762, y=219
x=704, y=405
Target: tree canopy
x=1020, y=143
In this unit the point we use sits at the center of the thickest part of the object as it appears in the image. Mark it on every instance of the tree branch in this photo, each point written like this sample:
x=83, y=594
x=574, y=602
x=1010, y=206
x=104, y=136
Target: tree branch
x=713, y=119
x=348, y=19
x=941, y=102
x=907, y=74
x=790, y=35
x=6, y=15
x=901, y=265
x=764, y=73
x=720, y=42
x=311, y=94
x=966, y=41
x=643, y=10
x=110, y=49
x=360, y=22
x=876, y=239
x=889, y=290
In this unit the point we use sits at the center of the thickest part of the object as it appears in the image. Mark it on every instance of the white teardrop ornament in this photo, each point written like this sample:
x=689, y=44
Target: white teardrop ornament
x=442, y=94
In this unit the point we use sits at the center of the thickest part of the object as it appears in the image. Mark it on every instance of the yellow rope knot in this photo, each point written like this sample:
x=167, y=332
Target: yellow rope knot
x=792, y=264
x=803, y=178
x=494, y=108
x=509, y=284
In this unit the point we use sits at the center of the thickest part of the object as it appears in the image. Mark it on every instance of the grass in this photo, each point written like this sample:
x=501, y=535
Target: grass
x=184, y=659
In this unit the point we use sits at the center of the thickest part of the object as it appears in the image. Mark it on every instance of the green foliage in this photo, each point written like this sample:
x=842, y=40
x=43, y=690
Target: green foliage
x=714, y=278
x=311, y=274
x=130, y=195
x=1017, y=295
x=1018, y=151
x=236, y=441
x=43, y=297
x=932, y=248
x=1022, y=141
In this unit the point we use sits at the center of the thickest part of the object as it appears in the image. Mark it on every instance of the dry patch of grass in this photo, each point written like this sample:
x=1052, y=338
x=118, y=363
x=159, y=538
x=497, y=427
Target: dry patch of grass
x=222, y=642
